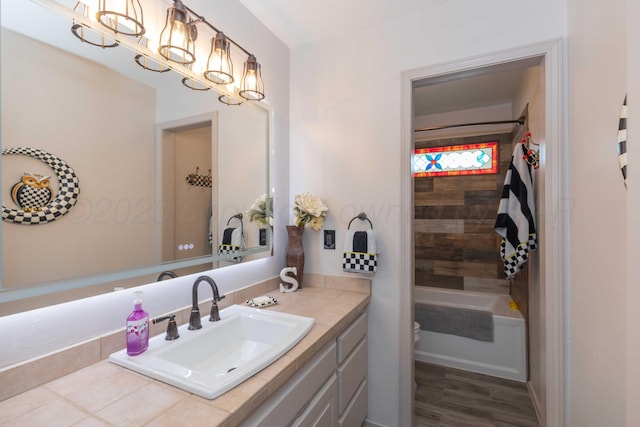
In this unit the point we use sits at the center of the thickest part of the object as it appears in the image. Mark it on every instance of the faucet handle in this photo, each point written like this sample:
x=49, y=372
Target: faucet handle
x=172, y=327
x=214, y=316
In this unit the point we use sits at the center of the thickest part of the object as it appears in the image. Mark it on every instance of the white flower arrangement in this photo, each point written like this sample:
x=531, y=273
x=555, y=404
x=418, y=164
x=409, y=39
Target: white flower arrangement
x=309, y=210
x=260, y=211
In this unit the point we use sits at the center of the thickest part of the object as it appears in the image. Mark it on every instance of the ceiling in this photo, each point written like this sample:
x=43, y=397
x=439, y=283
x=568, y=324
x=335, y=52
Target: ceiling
x=494, y=88
x=298, y=22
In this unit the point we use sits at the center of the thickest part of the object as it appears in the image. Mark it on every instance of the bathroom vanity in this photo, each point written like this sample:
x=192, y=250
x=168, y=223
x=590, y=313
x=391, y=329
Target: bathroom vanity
x=320, y=381
x=328, y=390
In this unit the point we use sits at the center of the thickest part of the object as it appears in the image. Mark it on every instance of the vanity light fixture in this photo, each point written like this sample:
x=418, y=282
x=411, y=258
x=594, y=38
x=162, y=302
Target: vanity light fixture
x=192, y=83
x=226, y=99
x=251, y=86
x=219, y=66
x=176, y=45
x=86, y=34
x=177, y=39
x=121, y=16
x=148, y=63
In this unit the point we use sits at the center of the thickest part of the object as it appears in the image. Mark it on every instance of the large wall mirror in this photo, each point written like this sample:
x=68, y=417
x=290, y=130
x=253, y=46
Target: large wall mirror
x=165, y=172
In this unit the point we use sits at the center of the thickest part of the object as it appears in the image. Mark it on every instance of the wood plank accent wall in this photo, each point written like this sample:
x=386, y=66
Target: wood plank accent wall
x=455, y=244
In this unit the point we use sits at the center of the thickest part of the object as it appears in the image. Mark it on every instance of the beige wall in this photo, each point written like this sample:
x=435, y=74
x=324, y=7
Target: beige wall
x=633, y=207
x=597, y=215
x=75, y=110
x=346, y=145
x=242, y=164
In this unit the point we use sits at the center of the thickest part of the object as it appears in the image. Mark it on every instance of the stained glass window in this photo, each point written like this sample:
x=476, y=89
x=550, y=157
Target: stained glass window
x=467, y=159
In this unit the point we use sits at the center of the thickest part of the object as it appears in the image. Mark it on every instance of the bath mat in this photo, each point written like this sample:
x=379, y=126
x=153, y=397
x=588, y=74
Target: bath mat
x=464, y=322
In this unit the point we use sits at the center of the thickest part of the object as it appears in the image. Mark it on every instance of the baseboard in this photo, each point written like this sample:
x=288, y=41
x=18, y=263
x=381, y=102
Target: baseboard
x=369, y=423
x=536, y=405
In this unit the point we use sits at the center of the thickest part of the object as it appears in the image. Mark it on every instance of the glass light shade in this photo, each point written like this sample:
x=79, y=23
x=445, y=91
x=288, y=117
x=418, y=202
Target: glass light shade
x=122, y=16
x=177, y=39
x=87, y=34
x=219, y=66
x=251, y=86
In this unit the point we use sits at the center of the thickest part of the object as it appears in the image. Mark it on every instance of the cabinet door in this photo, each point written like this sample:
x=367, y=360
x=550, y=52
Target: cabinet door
x=322, y=410
x=350, y=338
x=356, y=412
x=351, y=373
x=290, y=400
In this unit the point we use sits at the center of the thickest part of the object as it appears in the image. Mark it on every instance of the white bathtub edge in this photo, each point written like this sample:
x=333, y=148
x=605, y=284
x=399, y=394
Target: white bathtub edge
x=470, y=365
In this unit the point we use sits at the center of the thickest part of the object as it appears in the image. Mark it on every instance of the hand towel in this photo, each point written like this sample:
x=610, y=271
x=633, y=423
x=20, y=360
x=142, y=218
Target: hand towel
x=232, y=241
x=360, y=252
x=516, y=221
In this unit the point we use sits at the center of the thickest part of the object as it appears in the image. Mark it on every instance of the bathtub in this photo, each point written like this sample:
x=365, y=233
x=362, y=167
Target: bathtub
x=505, y=357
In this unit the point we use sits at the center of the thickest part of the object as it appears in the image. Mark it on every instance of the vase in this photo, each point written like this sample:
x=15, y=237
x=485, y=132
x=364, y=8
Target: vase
x=295, y=251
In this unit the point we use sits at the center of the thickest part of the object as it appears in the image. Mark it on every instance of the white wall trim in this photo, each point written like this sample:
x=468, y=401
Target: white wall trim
x=407, y=270
x=555, y=212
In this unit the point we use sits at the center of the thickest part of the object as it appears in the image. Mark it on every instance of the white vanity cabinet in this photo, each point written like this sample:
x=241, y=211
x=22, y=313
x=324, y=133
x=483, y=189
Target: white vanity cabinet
x=330, y=390
x=352, y=373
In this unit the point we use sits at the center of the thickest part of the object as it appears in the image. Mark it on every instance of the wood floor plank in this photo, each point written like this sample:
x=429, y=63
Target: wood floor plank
x=447, y=397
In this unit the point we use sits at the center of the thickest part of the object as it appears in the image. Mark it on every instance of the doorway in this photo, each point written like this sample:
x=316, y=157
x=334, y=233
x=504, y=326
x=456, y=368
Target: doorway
x=187, y=191
x=547, y=385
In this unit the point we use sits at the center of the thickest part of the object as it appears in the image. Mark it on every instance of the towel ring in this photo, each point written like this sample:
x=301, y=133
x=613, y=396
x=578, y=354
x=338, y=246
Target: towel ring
x=237, y=216
x=362, y=217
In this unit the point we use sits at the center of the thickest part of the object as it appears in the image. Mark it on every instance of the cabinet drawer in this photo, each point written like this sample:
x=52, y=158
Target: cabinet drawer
x=351, y=373
x=283, y=407
x=356, y=412
x=348, y=340
x=322, y=411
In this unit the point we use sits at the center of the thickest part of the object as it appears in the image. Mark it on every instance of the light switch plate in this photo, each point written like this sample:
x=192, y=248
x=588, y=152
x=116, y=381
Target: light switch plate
x=329, y=239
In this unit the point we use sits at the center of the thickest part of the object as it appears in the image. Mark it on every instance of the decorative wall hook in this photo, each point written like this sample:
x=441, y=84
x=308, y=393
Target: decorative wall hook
x=533, y=156
x=199, y=180
x=36, y=201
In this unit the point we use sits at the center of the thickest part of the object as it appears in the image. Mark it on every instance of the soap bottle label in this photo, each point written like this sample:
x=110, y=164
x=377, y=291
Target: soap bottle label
x=137, y=336
x=138, y=328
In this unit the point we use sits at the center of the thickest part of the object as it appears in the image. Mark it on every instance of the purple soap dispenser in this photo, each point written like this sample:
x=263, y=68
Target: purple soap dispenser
x=137, y=328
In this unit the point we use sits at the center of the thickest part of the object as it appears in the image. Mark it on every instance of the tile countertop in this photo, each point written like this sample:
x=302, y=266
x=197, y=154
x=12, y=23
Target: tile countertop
x=105, y=394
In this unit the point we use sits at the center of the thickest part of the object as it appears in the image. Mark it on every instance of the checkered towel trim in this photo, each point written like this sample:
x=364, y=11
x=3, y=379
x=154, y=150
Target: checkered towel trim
x=225, y=249
x=515, y=263
x=359, y=262
x=69, y=189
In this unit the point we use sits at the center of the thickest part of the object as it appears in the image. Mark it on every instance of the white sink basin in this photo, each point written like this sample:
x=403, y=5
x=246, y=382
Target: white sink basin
x=216, y=358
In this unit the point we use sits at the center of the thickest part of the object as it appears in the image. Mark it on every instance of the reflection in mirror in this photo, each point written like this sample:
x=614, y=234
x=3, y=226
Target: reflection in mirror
x=141, y=145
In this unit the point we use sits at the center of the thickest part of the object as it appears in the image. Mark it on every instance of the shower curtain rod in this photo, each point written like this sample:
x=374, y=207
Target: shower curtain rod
x=520, y=121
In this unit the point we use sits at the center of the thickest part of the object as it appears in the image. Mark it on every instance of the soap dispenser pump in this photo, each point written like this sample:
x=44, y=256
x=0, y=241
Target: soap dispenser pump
x=137, y=328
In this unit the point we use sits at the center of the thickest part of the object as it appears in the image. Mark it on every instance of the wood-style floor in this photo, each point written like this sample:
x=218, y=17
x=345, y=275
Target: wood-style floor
x=447, y=397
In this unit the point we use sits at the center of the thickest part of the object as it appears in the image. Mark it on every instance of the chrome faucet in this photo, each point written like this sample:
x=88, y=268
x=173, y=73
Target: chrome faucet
x=214, y=316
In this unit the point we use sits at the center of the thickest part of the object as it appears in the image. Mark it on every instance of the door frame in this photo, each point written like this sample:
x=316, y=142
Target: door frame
x=555, y=238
